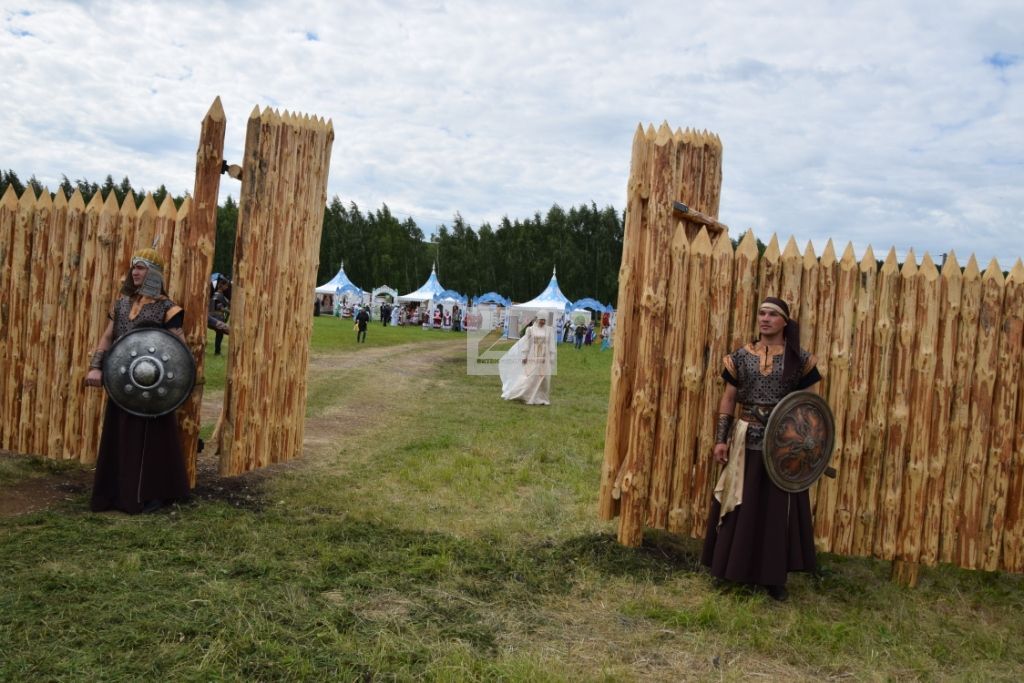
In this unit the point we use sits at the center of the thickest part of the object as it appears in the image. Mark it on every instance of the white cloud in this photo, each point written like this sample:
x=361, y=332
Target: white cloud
x=878, y=123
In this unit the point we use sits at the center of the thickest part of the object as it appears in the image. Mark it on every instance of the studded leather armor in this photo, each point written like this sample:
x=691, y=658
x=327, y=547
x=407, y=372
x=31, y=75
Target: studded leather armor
x=152, y=314
x=757, y=370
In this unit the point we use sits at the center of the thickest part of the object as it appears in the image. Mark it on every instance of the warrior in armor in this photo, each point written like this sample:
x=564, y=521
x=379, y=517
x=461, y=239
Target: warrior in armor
x=140, y=466
x=756, y=531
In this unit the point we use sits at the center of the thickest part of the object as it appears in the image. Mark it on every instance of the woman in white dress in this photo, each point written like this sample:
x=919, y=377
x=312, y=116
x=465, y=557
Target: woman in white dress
x=526, y=368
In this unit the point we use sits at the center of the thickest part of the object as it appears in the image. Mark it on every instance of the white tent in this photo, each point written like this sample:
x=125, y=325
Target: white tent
x=341, y=281
x=551, y=300
x=426, y=293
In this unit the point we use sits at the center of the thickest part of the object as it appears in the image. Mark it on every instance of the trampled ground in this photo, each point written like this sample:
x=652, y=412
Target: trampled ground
x=433, y=531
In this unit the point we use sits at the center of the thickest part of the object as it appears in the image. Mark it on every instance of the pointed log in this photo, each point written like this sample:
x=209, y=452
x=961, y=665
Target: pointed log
x=809, y=297
x=769, y=275
x=83, y=341
x=960, y=417
x=35, y=340
x=973, y=533
x=668, y=399
x=1013, y=533
x=869, y=491
x=96, y=316
x=950, y=286
x=54, y=259
x=842, y=324
x=166, y=220
x=855, y=429
x=744, y=314
x=20, y=261
x=680, y=518
x=623, y=367
x=70, y=293
x=717, y=346
x=1004, y=420
x=197, y=221
x=922, y=392
x=895, y=460
x=792, y=275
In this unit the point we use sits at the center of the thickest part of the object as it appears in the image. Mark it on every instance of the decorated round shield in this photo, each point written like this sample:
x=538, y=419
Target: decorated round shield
x=149, y=372
x=798, y=441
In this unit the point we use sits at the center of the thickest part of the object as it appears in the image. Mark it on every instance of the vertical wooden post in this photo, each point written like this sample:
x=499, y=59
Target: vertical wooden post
x=719, y=301
x=1013, y=532
x=67, y=310
x=198, y=240
x=899, y=422
x=95, y=317
x=83, y=340
x=680, y=516
x=35, y=339
x=842, y=325
x=983, y=393
x=54, y=259
x=17, y=297
x=792, y=275
x=869, y=491
x=809, y=299
x=623, y=363
x=847, y=506
x=745, y=301
x=822, y=349
x=1004, y=418
x=960, y=426
x=668, y=399
x=769, y=272
x=922, y=391
x=950, y=287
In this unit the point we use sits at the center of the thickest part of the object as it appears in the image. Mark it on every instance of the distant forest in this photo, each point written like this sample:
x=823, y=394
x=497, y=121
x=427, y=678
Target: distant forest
x=514, y=258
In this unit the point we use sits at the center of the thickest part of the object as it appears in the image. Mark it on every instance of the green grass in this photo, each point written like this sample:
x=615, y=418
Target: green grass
x=436, y=532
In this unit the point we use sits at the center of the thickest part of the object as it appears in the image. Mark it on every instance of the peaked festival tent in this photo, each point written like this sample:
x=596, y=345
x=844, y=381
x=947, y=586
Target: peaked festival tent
x=551, y=299
x=340, y=285
x=427, y=292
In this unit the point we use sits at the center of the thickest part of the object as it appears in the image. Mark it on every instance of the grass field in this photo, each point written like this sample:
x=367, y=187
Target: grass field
x=433, y=531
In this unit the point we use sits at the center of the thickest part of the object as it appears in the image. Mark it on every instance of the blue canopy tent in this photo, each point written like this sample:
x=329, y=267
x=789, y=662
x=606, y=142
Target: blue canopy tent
x=492, y=298
x=592, y=304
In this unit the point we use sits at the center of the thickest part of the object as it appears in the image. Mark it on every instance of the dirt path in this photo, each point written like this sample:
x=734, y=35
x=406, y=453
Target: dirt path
x=394, y=370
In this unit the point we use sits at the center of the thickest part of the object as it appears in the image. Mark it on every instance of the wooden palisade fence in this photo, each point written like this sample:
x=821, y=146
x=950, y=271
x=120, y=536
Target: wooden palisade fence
x=63, y=270
x=62, y=264
x=283, y=198
x=922, y=369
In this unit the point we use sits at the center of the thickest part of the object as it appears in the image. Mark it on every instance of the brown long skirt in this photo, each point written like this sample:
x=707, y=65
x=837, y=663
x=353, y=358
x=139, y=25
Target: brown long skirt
x=140, y=460
x=770, y=534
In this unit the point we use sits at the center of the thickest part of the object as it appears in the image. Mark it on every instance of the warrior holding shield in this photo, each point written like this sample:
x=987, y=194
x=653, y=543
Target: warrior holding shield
x=757, y=530
x=143, y=362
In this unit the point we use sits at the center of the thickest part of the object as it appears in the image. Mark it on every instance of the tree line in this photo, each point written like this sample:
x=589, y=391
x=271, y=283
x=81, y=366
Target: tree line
x=514, y=258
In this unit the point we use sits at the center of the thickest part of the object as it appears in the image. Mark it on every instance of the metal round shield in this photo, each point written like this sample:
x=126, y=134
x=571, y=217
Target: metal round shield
x=149, y=372
x=798, y=441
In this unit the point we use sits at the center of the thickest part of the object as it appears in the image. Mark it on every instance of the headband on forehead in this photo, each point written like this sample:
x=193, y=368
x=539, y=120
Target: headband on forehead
x=777, y=305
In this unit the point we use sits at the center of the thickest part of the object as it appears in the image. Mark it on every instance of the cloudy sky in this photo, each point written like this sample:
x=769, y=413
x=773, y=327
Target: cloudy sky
x=885, y=123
